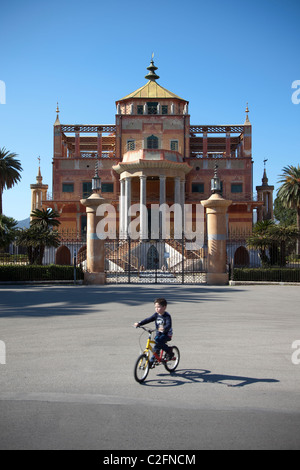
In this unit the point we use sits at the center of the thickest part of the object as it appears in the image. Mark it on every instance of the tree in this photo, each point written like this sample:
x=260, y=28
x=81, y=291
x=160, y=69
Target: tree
x=274, y=242
x=284, y=215
x=45, y=218
x=260, y=239
x=35, y=239
x=289, y=193
x=8, y=230
x=10, y=169
x=40, y=234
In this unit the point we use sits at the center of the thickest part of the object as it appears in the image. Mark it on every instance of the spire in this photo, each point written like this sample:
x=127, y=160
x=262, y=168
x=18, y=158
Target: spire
x=152, y=75
x=57, y=122
x=247, y=118
x=265, y=178
x=39, y=177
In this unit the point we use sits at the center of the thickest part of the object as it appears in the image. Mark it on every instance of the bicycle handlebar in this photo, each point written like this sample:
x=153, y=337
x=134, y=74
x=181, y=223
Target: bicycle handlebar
x=146, y=329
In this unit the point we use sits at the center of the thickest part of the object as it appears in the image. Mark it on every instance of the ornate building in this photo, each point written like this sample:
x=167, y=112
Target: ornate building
x=151, y=155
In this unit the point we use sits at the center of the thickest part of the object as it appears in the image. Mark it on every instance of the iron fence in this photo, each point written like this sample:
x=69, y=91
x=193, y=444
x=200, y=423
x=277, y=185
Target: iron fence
x=275, y=261
x=58, y=263
x=169, y=261
x=154, y=262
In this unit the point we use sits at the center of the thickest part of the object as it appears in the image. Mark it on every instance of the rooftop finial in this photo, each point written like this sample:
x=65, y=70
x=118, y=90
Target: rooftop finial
x=57, y=122
x=247, y=118
x=152, y=75
x=39, y=178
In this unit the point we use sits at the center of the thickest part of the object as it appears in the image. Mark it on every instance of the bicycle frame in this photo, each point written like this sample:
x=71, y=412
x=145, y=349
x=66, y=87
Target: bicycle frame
x=149, y=348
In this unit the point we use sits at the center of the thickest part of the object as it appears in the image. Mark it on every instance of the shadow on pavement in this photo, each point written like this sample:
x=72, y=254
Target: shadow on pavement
x=188, y=376
x=22, y=301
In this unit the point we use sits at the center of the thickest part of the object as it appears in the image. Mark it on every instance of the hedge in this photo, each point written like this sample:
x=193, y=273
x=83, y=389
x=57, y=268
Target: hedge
x=51, y=272
x=267, y=274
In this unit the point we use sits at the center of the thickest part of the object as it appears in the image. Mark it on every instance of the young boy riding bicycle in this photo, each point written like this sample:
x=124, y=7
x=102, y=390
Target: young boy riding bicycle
x=163, y=324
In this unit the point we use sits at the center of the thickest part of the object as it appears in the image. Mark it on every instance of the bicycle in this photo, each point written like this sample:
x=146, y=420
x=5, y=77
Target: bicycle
x=142, y=365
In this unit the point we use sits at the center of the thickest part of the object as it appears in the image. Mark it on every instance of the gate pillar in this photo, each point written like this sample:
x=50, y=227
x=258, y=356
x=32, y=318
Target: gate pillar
x=95, y=251
x=216, y=208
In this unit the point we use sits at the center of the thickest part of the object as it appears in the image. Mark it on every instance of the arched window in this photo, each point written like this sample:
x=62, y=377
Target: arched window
x=241, y=257
x=63, y=256
x=152, y=142
x=152, y=258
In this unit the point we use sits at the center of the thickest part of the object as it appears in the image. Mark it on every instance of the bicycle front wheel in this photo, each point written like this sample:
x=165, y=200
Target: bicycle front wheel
x=173, y=363
x=141, y=368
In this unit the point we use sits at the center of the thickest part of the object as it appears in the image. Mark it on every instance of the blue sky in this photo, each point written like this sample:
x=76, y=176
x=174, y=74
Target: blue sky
x=218, y=55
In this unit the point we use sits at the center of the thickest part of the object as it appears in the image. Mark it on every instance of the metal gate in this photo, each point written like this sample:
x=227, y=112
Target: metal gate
x=154, y=261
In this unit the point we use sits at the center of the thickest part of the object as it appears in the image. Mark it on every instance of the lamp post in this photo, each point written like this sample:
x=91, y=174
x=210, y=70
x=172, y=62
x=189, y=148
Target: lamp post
x=95, y=250
x=215, y=182
x=96, y=180
x=216, y=208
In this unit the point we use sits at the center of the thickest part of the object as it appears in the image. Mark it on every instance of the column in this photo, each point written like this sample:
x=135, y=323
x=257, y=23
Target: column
x=127, y=204
x=99, y=144
x=216, y=209
x=162, y=200
x=122, y=208
x=204, y=144
x=143, y=208
x=95, y=248
x=162, y=189
x=177, y=212
x=77, y=144
x=182, y=194
x=177, y=197
x=228, y=151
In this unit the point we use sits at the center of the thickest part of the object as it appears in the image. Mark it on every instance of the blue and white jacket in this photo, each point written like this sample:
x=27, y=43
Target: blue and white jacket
x=164, y=320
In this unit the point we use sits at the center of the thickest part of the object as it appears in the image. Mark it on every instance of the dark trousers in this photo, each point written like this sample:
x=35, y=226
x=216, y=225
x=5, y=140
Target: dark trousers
x=160, y=343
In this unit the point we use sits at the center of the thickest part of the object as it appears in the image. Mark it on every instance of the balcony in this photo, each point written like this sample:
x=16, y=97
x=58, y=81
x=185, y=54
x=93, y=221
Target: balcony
x=152, y=154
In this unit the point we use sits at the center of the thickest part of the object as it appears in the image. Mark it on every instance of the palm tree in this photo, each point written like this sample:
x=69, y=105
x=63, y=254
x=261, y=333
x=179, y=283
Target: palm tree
x=273, y=242
x=289, y=193
x=10, y=169
x=8, y=230
x=260, y=239
x=45, y=218
x=35, y=239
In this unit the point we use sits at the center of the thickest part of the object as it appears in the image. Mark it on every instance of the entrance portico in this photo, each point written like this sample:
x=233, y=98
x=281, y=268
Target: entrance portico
x=164, y=166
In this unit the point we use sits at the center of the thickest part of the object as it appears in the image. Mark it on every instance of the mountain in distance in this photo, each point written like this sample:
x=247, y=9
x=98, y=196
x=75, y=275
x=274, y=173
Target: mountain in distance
x=25, y=223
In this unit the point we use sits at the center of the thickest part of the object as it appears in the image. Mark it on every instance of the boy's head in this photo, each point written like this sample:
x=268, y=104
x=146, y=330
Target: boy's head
x=162, y=302
x=160, y=305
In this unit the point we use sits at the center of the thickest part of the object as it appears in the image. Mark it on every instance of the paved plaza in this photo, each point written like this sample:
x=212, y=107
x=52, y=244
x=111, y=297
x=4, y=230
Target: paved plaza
x=67, y=360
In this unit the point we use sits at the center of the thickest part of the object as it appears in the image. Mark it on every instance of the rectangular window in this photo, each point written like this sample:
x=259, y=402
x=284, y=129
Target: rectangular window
x=140, y=109
x=131, y=144
x=174, y=145
x=197, y=187
x=164, y=109
x=107, y=187
x=83, y=223
x=86, y=189
x=152, y=142
x=236, y=187
x=152, y=107
x=68, y=187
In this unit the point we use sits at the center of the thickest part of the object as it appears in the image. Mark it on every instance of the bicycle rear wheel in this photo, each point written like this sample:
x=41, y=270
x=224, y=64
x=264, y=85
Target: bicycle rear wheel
x=141, y=368
x=173, y=363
